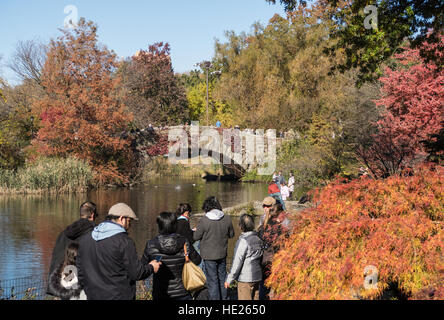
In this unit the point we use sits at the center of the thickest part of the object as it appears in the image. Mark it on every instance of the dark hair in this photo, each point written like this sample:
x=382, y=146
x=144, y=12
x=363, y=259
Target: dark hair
x=166, y=222
x=246, y=222
x=71, y=254
x=183, y=207
x=274, y=211
x=277, y=208
x=111, y=217
x=211, y=203
x=87, y=208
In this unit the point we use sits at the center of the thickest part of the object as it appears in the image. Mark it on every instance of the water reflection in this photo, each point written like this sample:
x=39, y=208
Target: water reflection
x=30, y=224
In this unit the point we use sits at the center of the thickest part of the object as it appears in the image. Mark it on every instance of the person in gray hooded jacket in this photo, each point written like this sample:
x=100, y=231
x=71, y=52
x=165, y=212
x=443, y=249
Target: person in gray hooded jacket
x=214, y=230
x=246, y=268
x=107, y=261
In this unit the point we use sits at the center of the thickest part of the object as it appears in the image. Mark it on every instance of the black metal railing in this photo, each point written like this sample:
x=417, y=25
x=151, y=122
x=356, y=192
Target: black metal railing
x=26, y=288
x=34, y=288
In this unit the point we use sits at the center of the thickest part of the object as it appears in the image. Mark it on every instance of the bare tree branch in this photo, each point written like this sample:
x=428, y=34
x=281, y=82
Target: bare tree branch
x=28, y=60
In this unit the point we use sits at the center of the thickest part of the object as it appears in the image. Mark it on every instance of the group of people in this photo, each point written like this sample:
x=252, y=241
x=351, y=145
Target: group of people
x=280, y=189
x=101, y=263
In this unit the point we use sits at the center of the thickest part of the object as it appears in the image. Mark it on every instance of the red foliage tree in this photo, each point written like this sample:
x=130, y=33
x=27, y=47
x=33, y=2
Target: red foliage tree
x=413, y=100
x=160, y=147
x=395, y=225
x=153, y=92
x=80, y=113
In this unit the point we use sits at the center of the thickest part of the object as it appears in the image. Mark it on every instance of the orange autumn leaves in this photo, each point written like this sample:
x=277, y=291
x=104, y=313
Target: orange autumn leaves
x=394, y=224
x=81, y=114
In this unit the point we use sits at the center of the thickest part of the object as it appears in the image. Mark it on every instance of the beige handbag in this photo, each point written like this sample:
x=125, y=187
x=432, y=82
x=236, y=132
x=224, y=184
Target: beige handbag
x=193, y=277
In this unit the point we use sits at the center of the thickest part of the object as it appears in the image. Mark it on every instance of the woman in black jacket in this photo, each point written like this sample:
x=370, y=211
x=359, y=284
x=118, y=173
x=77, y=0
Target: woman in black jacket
x=169, y=247
x=183, y=214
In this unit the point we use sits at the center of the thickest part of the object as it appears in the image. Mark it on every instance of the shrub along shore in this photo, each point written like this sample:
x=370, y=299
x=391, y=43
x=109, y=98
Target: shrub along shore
x=47, y=175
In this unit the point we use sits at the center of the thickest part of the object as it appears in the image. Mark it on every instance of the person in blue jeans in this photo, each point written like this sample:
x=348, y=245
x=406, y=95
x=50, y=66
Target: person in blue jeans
x=275, y=192
x=213, y=230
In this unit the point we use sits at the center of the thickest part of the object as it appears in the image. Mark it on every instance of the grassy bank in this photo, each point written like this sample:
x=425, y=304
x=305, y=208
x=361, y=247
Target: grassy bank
x=47, y=175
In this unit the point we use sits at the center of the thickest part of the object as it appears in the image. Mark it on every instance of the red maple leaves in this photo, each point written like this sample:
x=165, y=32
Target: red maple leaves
x=394, y=225
x=80, y=114
x=413, y=101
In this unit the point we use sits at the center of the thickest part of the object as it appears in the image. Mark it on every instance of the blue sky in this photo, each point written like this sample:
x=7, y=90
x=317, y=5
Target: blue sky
x=190, y=27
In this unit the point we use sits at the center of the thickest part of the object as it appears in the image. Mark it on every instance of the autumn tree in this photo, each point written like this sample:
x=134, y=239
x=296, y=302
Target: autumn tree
x=18, y=124
x=412, y=113
x=278, y=77
x=80, y=114
x=370, y=32
x=152, y=91
x=26, y=62
x=367, y=239
x=274, y=76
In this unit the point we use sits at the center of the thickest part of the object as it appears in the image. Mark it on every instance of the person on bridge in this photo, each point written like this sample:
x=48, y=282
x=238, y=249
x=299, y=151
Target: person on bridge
x=218, y=124
x=150, y=129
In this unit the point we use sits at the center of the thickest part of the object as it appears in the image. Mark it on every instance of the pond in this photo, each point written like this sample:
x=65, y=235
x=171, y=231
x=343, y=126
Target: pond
x=30, y=224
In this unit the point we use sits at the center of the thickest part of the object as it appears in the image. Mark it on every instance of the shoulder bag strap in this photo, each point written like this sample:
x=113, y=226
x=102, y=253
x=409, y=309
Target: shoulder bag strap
x=185, y=252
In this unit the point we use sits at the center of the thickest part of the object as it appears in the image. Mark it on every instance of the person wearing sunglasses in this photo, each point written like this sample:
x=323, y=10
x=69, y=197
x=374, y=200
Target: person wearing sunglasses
x=267, y=203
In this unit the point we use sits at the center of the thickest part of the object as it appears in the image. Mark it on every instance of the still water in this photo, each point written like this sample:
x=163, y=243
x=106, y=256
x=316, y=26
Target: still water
x=29, y=225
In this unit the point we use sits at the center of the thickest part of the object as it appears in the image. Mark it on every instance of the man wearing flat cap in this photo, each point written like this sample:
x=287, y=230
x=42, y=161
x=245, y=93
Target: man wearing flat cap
x=107, y=262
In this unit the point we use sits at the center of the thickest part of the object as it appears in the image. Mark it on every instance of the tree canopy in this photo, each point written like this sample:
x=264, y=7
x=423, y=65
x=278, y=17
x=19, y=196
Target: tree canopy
x=367, y=47
x=80, y=114
x=153, y=93
x=412, y=114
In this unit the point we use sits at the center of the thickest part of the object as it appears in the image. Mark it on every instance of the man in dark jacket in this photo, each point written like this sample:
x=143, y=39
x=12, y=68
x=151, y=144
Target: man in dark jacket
x=169, y=247
x=88, y=214
x=214, y=230
x=107, y=262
